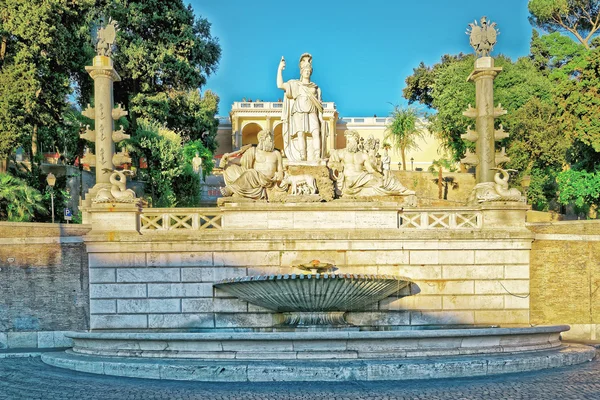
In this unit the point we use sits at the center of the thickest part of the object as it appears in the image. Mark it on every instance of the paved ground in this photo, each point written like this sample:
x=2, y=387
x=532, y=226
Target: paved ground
x=29, y=378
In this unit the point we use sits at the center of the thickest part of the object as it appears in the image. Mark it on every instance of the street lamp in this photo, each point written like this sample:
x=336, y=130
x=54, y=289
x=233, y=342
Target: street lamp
x=412, y=163
x=51, y=180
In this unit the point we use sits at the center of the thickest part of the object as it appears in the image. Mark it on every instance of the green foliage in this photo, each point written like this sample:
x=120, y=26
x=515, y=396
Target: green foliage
x=188, y=113
x=578, y=17
x=444, y=88
x=537, y=141
x=581, y=188
x=165, y=54
x=556, y=55
x=404, y=130
x=542, y=189
x=18, y=201
x=189, y=152
x=40, y=46
x=170, y=180
x=441, y=165
x=579, y=103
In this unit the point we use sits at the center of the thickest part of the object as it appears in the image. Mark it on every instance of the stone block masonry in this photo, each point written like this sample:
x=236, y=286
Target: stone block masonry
x=164, y=282
x=43, y=277
x=43, y=284
x=565, y=277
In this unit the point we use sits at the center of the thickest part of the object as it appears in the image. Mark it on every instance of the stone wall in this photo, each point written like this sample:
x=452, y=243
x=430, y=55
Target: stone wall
x=43, y=283
x=565, y=277
x=164, y=280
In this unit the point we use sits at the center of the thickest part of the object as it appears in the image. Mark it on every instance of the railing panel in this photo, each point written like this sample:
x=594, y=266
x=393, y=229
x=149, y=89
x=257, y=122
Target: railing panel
x=180, y=219
x=440, y=219
x=194, y=219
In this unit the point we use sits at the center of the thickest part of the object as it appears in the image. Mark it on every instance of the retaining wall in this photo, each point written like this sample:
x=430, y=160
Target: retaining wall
x=43, y=283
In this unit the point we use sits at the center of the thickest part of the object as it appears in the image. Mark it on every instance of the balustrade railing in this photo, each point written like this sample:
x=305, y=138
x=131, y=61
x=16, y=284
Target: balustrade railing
x=441, y=219
x=181, y=219
x=177, y=219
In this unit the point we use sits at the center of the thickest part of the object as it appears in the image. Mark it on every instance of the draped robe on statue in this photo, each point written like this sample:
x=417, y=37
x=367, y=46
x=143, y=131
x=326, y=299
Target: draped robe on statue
x=365, y=182
x=301, y=109
x=244, y=180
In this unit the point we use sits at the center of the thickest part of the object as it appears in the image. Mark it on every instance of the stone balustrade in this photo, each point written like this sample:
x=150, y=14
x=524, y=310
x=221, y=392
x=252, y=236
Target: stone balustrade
x=169, y=219
x=280, y=217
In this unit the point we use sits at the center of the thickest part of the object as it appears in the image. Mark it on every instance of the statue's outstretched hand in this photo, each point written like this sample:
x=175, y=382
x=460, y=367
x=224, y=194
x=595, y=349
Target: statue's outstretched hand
x=282, y=64
x=278, y=177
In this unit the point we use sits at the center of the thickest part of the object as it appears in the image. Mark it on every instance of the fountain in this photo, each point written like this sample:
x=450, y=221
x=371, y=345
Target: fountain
x=314, y=341
x=316, y=299
x=161, y=280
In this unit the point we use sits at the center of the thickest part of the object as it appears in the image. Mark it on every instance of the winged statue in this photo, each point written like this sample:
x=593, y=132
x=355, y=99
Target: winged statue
x=105, y=38
x=482, y=37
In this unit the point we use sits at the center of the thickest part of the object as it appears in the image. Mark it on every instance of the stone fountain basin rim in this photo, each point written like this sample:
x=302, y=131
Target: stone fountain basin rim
x=329, y=335
x=260, y=278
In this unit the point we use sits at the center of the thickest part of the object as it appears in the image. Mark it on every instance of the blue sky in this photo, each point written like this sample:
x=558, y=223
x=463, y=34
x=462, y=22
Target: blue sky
x=362, y=51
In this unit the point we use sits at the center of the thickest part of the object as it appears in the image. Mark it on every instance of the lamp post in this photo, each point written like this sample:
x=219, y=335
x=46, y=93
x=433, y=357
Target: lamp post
x=412, y=163
x=51, y=180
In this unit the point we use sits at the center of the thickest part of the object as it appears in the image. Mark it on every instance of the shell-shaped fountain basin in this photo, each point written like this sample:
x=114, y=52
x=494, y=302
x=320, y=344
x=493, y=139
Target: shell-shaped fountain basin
x=313, y=292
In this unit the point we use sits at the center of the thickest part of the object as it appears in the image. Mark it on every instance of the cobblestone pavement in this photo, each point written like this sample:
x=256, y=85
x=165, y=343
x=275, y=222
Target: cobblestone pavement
x=29, y=378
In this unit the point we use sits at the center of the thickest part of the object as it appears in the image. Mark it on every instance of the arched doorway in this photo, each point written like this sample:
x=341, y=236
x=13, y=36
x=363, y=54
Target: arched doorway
x=277, y=133
x=249, y=133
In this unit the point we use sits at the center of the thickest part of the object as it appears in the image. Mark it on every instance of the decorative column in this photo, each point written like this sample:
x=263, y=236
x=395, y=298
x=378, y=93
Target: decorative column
x=110, y=186
x=104, y=75
x=236, y=142
x=492, y=181
x=483, y=39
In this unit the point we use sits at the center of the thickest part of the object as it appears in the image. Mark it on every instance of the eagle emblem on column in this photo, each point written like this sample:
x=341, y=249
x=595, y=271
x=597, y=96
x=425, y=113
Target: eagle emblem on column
x=482, y=37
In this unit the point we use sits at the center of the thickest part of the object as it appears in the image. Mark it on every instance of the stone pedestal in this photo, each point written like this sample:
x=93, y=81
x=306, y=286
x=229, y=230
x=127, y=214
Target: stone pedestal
x=504, y=215
x=114, y=217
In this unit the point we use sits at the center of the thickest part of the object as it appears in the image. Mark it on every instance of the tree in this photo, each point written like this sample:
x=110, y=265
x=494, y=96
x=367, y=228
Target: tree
x=41, y=44
x=538, y=148
x=437, y=168
x=165, y=54
x=580, y=18
x=444, y=88
x=556, y=55
x=579, y=104
x=581, y=188
x=18, y=201
x=404, y=130
x=170, y=179
x=191, y=114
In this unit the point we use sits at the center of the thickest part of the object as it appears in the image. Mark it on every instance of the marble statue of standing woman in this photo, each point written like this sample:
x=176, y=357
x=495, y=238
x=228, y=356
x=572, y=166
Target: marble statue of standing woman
x=197, y=166
x=302, y=114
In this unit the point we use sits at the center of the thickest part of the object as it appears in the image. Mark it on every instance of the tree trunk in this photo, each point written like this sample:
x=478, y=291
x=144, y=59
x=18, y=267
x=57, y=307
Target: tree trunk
x=34, y=148
x=403, y=160
x=3, y=165
x=3, y=48
x=440, y=184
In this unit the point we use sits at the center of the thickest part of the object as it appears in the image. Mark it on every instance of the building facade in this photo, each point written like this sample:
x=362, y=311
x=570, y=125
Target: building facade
x=246, y=119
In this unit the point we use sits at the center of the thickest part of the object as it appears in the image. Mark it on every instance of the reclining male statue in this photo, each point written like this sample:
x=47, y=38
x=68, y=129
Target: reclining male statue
x=260, y=168
x=360, y=177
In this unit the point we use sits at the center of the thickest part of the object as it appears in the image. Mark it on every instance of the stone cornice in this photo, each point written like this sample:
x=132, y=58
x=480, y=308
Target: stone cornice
x=104, y=72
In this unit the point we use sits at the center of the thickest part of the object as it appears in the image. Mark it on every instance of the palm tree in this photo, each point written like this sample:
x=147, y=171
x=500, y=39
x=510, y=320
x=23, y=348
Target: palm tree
x=404, y=131
x=437, y=168
x=18, y=202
